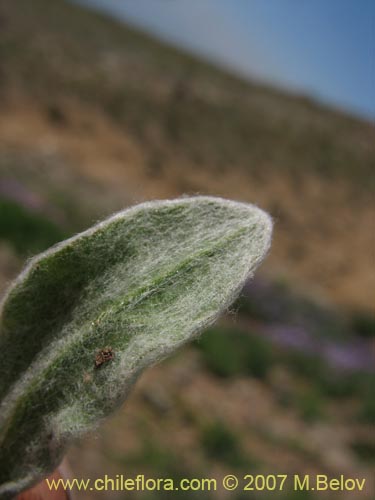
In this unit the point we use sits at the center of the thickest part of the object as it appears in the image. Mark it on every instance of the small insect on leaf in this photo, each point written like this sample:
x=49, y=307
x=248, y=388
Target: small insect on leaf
x=103, y=356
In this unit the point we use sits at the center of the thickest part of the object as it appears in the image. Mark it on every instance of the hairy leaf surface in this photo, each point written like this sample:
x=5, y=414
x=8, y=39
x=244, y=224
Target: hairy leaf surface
x=86, y=317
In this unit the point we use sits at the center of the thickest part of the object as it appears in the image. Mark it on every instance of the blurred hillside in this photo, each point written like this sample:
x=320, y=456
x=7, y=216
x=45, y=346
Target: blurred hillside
x=96, y=116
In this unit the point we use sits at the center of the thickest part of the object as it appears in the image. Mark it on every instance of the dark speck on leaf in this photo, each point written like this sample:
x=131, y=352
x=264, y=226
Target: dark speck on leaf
x=103, y=356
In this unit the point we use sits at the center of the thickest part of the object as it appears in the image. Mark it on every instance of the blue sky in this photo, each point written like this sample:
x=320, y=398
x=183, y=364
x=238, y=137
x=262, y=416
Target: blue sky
x=322, y=48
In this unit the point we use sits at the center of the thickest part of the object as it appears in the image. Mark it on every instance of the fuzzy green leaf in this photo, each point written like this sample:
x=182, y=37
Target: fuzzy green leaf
x=86, y=317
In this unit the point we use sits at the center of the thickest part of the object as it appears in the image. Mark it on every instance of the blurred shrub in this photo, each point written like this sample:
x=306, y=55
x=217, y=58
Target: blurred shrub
x=310, y=404
x=221, y=444
x=363, y=323
x=244, y=305
x=158, y=459
x=305, y=365
x=27, y=232
x=159, y=462
x=341, y=385
x=229, y=352
x=327, y=381
x=246, y=495
x=365, y=450
x=367, y=412
x=297, y=495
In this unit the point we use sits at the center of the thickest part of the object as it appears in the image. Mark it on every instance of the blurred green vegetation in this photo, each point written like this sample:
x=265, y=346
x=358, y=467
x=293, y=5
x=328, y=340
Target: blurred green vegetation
x=160, y=462
x=364, y=324
x=365, y=450
x=310, y=404
x=27, y=232
x=229, y=352
x=159, y=459
x=367, y=411
x=297, y=495
x=221, y=444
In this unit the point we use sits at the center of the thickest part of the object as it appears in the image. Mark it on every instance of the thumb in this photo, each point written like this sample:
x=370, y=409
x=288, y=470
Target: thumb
x=41, y=491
